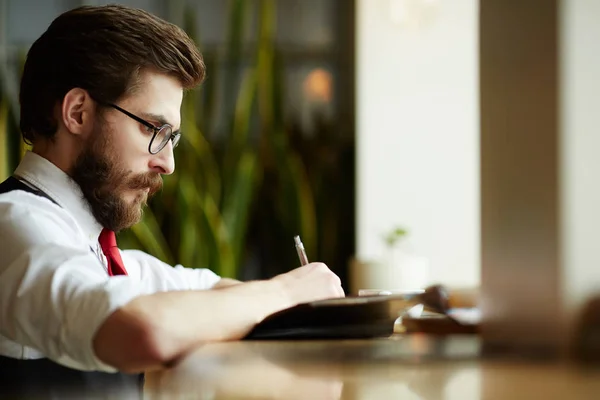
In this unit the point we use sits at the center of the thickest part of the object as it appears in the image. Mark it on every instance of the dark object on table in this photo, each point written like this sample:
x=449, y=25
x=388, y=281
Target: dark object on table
x=586, y=344
x=348, y=317
x=437, y=324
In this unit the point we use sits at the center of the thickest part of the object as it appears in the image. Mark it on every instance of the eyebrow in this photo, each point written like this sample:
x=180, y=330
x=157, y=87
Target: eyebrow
x=158, y=118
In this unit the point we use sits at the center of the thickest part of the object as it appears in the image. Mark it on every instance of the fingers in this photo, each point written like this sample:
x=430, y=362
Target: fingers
x=314, y=281
x=335, y=280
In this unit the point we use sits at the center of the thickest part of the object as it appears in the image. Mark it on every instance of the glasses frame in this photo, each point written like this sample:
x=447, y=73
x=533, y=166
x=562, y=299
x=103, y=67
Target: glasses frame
x=173, y=137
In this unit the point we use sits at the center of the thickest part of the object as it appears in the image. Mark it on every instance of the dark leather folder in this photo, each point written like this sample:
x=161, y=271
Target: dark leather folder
x=349, y=317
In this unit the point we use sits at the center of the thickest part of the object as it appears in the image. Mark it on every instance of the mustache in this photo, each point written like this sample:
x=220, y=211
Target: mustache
x=149, y=180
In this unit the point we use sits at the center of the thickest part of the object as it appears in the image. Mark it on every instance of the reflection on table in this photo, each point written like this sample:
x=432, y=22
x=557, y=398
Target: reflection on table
x=407, y=367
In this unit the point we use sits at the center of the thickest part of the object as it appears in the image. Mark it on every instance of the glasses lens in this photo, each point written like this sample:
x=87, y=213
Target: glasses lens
x=160, y=139
x=176, y=140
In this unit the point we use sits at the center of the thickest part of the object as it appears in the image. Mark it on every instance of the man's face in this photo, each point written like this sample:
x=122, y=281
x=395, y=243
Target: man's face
x=115, y=171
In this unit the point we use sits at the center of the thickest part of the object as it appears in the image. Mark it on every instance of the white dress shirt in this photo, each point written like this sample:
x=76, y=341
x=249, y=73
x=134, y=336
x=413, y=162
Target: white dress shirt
x=55, y=291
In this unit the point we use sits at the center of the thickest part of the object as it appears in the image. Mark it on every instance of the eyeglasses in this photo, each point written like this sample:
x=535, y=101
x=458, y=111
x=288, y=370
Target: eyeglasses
x=162, y=134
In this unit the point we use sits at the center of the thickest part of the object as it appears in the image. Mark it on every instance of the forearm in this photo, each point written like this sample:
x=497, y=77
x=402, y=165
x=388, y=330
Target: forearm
x=154, y=330
x=226, y=282
x=212, y=315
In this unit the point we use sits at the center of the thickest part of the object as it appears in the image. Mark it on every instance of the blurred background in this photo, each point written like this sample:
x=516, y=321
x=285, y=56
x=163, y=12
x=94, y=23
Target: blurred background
x=353, y=123
x=408, y=142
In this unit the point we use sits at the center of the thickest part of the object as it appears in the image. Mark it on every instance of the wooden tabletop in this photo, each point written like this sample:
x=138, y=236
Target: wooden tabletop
x=402, y=367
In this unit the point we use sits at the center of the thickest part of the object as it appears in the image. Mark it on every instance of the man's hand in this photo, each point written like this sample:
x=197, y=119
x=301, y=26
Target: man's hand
x=311, y=282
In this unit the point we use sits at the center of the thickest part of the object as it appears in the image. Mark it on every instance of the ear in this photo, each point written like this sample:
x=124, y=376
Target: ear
x=77, y=111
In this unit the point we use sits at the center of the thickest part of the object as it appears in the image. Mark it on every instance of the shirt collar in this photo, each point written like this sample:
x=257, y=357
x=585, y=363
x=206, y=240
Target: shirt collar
x=50, y=179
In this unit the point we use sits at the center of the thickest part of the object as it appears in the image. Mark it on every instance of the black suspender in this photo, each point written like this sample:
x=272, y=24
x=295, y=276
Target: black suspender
x=13, y=183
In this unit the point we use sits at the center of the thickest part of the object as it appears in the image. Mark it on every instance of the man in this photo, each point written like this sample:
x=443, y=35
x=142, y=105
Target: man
x=100, y=103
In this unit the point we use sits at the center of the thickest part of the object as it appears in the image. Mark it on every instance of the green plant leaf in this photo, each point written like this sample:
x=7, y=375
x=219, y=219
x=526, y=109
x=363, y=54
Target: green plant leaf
x=218, y=235
x=239, y=142
x=237, y=20
x=148, y=233
x=5, y=169
x=236, y=208
x=264, y=63
x=299, y=193
x=192, y=251
x=198, y=157
x=296, y=202
x=394, y=236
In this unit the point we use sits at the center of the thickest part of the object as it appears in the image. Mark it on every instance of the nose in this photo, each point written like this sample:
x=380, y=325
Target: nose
x=163, y=162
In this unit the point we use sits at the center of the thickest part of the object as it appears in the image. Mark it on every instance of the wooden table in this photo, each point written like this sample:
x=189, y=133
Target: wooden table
x=402, y=367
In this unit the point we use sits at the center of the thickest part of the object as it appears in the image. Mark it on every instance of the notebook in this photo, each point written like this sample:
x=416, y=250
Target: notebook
x=340, y=318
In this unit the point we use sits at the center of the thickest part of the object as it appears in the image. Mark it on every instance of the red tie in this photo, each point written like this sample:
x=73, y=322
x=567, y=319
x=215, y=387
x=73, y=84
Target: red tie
x=108, y=242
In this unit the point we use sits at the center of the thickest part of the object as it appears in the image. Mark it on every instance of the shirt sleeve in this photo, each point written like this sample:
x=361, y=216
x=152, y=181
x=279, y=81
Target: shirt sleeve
x=54, y=292
x=160, y=276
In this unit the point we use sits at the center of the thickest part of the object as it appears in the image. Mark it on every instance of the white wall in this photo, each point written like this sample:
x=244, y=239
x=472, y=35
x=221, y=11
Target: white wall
x=580, y=145
x=418, y=134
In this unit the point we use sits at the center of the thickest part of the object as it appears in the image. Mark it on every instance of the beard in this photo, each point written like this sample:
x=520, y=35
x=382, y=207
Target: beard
x=104, y=181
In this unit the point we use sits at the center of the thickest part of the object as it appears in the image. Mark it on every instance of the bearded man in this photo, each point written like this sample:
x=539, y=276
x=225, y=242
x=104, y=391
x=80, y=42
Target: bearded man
x=100, y=99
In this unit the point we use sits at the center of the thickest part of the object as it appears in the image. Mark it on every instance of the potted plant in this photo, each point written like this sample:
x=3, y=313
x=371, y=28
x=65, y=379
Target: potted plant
x=396, y=269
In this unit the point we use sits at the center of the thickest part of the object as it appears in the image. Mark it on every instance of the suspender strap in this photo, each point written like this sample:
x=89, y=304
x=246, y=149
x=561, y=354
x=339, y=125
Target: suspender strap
x=13, y=183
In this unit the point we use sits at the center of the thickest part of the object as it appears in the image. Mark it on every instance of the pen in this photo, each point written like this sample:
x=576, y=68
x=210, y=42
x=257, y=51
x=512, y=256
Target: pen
x=300, y=251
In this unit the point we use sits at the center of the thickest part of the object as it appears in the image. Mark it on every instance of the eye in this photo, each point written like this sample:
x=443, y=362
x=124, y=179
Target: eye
x=148, y=129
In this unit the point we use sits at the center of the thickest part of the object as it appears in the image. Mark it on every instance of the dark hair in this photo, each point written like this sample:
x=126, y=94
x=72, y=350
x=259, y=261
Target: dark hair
x=102, y=50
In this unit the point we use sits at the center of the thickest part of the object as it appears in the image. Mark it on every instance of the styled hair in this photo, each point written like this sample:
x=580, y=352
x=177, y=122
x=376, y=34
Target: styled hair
x=102, y=50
